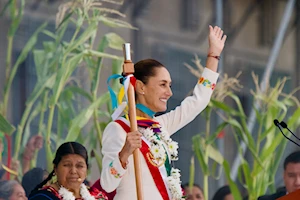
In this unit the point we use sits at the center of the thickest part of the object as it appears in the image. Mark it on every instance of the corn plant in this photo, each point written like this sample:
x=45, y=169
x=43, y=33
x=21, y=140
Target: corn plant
x=66, y=109
x=266, y=146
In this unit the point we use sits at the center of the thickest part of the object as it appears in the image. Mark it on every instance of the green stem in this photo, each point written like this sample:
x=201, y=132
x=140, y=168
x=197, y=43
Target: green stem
x=8, y=67
x=48, y=141
x=205, y=181
x=98, y=128
x=75, y=34
x=20, y=129
x=41, y=123
x=207, y=133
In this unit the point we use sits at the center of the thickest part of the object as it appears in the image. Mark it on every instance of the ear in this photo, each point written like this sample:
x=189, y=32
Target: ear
x=139, y=87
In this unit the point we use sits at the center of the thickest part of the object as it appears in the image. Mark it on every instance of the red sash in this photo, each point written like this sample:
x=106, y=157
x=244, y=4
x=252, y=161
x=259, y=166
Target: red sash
x=153, y=170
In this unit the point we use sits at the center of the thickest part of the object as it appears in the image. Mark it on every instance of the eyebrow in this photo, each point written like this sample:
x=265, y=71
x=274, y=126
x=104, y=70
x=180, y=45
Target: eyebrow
x=71, y=161
x=165, y=81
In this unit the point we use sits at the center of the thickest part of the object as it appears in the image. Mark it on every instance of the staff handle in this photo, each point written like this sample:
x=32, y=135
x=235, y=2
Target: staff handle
x=128, y=68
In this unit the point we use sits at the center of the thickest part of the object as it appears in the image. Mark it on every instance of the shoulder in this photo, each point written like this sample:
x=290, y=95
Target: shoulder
x=272, y=196
x=117, y=125
x=46, y=193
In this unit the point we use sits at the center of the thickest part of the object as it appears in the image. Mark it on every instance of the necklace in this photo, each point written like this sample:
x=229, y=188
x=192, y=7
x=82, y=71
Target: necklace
x=67, y=195
x=162, y=146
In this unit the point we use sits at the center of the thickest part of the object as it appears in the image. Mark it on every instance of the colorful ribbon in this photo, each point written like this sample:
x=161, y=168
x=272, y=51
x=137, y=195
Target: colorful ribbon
x=117, y=103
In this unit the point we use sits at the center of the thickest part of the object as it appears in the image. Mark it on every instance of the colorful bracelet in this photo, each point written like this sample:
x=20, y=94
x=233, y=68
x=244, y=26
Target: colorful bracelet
x=216, y=57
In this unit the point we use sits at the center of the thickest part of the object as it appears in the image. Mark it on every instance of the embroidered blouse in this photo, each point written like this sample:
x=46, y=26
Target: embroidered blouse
x=50, y=193
x=115, y=177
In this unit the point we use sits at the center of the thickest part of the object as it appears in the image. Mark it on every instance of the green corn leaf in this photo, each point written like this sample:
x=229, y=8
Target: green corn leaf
x=62, y=76
x=27, y=130
x=80, y=121
x=233, y=187
x=200, y=154
x=192, y=173
x=5, y=7
x=40, y=87
x=213, y=136
x=26, y=50
x=102, y=55
x=225, y=108
x=80, y=91
x=82, y=38
x=115, y=41
x=214, y=154
x=5, y=126
x=16, y=20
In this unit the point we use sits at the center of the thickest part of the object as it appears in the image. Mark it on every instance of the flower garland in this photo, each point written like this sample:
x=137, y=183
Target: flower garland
x=161, y=146
x=84, y=192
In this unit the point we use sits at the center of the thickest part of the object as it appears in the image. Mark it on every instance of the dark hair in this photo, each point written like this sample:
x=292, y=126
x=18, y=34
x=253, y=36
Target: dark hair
x=32, y=178
x=221, y=193
x=194, y=185
x=292, y=158
x=7, y=188
x=145, y=69
x=65, y=149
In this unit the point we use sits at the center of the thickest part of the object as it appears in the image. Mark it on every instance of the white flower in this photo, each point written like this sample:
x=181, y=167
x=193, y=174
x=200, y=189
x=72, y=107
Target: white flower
x=173, y=146
x=160, y=143
x=148, y=133
x=165, y=135
x=175, y=173
x=157, y=151
x=67, y=195
x=174, y=184
x=86, y=195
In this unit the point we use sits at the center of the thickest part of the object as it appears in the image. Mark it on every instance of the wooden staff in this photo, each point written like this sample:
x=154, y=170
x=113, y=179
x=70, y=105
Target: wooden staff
x=128, y=68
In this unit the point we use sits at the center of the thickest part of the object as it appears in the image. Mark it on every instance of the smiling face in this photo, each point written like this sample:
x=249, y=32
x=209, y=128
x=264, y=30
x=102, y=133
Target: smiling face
x=155, y=93
x=18, y=193
x=71, y=171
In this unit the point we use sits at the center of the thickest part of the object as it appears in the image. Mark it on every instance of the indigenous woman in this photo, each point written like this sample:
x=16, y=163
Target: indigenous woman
x=157, y=149
x=70, y=168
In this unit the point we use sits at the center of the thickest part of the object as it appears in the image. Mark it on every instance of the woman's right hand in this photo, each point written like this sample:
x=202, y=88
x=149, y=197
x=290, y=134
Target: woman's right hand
x=133, y=141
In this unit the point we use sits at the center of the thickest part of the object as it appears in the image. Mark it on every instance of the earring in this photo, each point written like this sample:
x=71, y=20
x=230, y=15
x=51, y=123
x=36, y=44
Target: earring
x=143, y=93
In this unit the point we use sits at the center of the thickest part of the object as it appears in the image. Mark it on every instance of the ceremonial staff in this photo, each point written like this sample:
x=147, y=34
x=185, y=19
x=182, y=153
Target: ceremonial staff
x=128, y=68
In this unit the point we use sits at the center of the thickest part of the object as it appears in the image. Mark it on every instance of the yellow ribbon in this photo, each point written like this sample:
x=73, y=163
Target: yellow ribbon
x=10, y=170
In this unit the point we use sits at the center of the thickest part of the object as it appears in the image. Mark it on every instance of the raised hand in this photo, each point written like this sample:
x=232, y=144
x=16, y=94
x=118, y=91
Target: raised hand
x=216, y=41
x=35, y=143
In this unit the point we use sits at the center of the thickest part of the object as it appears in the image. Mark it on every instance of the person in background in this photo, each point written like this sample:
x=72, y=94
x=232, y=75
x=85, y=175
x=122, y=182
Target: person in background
x=11, y=190
x=223, y=193
x=70, y=167
x=195, y=194
x=32, y=178
x=291, y=177
x=34, y=143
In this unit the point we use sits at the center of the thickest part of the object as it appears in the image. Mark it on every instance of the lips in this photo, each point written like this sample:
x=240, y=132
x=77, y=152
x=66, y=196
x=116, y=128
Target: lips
x=164, y=100
x=73, y=178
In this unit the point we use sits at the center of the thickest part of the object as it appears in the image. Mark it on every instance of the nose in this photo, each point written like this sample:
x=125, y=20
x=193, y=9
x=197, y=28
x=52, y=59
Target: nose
x=169, y=92
x=73, y=170
x=297, y=181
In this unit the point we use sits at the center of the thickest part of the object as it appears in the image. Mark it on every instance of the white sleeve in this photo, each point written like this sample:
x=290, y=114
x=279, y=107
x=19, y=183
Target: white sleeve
x=191, y=106
x=113, y=140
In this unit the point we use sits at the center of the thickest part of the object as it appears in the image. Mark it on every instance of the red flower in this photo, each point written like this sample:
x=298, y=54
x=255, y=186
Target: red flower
x=213, y=86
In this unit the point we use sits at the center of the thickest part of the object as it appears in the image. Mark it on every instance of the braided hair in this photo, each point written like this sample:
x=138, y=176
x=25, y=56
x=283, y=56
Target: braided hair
x=64, y=149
